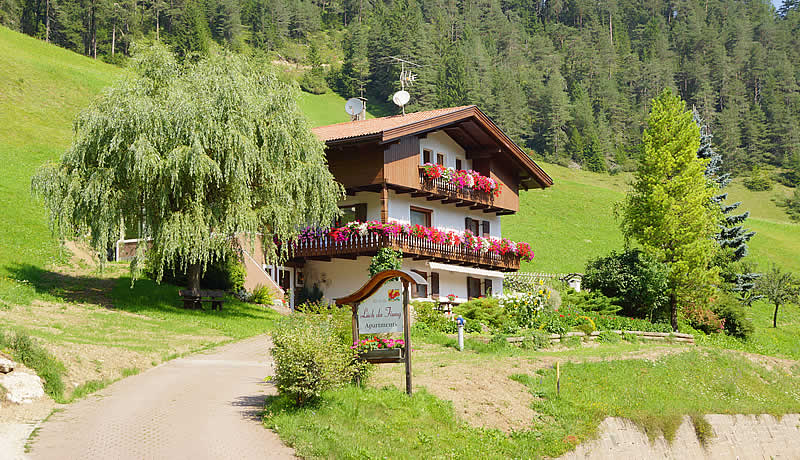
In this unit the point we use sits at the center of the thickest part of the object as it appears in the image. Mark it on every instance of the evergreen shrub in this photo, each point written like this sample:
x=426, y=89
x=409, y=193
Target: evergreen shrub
x=758, y=181
x=633, y=280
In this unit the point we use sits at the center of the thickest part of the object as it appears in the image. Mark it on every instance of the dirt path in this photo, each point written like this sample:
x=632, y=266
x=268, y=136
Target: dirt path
x=203, y=406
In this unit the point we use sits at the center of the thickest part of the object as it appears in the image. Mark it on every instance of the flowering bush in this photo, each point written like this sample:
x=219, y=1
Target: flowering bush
x=524, y=307
x=466, y=238
x=462, y=178
x=377, y=343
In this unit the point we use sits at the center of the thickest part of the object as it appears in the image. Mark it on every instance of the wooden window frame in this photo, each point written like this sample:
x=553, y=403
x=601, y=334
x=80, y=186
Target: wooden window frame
x=427, y=212
x=488, y=287
x=471, y=292
x=459, y=164
x=486, y=228
x=440, y=158
x=473, y=225
x=427, y=155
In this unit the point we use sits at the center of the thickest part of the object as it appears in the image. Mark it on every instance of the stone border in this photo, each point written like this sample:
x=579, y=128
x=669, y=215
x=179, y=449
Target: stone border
x=654, y=336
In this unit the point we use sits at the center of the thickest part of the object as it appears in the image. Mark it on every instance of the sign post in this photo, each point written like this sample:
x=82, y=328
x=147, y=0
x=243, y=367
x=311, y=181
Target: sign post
x=376, y=309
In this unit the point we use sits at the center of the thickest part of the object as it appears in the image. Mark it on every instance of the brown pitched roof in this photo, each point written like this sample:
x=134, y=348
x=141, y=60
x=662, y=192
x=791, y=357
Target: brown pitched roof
x=360, y=128
x=387, y=129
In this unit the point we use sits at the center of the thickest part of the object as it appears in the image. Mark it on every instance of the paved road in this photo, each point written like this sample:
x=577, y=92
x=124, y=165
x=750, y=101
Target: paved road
x=204, y=406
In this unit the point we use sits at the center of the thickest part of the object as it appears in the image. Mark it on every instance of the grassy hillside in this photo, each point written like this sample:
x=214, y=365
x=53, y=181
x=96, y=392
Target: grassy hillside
x=573, y=221
x=42, y=88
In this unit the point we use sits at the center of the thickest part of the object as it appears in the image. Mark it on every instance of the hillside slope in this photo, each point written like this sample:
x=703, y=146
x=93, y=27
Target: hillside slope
x=573, y=221
x=42, y=88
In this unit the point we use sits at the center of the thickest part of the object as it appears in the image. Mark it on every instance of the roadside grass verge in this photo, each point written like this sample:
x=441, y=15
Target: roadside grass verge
x=23, y=349
x=364, y=422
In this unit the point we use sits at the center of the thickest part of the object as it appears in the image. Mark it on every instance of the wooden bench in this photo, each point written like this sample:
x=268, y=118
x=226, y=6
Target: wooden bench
x=193, y=299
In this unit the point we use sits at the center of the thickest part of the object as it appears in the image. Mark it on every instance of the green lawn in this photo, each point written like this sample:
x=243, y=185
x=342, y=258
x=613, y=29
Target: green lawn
x=42, y=88
x=384, y=423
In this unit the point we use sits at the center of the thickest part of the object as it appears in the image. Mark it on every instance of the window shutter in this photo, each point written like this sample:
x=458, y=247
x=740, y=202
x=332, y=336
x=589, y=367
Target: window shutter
x=434, y=284
x=487, y=287
x=486, y=228
x=361, y=212
x=468, y=223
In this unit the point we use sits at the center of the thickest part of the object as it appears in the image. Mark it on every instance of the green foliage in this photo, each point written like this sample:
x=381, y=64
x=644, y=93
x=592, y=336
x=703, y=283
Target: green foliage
x=385, y=259
x=609, y=337
x=226, y=273
x=313, y=80
x=523, y=307
x=758, y=180
x=590, y=302
x=249, y=166
x=733, y=315
x=779, y=287
x=25, y=350
x=432, y=319
x=635, y=281
x=667, y=211
x=310, y=357
x=483, y=311
x=535, y=340
x=262, y=295
x=792, y=205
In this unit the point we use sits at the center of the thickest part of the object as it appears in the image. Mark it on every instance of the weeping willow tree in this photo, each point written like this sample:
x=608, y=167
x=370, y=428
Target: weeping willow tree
x=191, y=157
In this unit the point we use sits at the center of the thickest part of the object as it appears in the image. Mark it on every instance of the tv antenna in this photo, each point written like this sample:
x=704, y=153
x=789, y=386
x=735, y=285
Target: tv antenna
x=407, y=78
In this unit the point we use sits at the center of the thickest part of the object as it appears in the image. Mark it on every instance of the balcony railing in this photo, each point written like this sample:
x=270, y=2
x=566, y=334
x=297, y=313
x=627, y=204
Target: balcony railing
x=442, y=186
x=325, y=248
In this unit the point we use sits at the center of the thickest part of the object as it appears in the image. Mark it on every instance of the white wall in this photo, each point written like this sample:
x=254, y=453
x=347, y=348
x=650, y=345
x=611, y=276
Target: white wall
x=445, y=216
x=372, y=199
x=439, y=142
x=342, y=277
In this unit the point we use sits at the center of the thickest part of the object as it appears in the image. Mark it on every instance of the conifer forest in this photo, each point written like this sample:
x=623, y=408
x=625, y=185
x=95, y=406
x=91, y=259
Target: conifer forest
x=571, y=80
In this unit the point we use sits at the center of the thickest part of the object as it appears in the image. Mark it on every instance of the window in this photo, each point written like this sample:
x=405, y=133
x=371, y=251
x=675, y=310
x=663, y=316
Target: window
x=487, y=287
x=426, y=156
x=485, y=226
x=472, y=225
x=458, y=164
x=420, y=216
x=434, y=282
x=352, y=213
x=473, y=287
x=440, y=159
x=420, y=290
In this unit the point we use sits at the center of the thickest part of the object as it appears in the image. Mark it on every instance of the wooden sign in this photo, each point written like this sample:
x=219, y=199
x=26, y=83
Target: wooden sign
x=376, y=309
x=382, y=311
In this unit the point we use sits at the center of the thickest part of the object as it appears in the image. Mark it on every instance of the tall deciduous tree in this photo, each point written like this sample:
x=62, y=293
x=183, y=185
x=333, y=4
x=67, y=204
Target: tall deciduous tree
x=667, y=211
x=192, y=156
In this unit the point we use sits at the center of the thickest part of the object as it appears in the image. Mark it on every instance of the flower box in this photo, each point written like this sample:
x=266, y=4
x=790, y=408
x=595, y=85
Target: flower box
x=383, y=355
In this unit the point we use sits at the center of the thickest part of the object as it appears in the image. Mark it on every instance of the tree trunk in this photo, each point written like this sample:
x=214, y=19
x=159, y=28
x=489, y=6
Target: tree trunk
x=113, y=38
x=193, y=275
x=775, y=316
x=47, y=23
x=673, y=311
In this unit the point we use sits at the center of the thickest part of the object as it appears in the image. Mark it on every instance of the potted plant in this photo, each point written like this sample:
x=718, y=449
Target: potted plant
x=451, y=297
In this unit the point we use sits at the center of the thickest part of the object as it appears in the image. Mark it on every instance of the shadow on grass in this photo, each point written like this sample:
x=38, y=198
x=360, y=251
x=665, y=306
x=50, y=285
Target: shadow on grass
x=72, y=288
x=144, y=296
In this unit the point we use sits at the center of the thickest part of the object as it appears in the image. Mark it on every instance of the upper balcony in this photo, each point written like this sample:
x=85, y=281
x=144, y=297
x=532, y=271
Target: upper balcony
x=445, y=190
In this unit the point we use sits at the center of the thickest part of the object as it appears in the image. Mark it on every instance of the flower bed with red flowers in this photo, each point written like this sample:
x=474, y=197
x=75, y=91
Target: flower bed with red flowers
x=462, y=178
x=377, y=343
x=501, y=246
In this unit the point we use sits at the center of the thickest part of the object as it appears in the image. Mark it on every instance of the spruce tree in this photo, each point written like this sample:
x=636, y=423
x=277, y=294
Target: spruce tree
x=732, y=237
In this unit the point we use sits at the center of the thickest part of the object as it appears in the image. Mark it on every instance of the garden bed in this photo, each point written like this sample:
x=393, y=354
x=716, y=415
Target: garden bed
x=656, y=336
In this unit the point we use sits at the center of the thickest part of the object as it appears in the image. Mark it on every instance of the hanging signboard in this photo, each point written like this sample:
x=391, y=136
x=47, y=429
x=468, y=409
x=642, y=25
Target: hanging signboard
x=382, y=311
x=381, y=306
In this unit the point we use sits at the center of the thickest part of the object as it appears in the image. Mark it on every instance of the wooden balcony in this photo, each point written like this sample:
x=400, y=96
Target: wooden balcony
x=443, y=190
x=325, y=248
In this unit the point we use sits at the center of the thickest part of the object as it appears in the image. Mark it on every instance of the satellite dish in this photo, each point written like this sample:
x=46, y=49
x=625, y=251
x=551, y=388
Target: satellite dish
x=354, y=106
x=401, y=98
